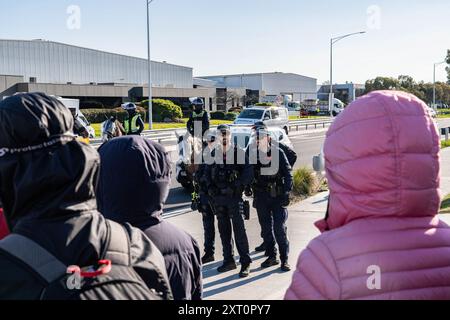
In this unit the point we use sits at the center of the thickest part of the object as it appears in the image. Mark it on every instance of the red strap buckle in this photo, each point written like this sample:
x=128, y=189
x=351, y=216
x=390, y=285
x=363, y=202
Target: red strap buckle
x=105, y=268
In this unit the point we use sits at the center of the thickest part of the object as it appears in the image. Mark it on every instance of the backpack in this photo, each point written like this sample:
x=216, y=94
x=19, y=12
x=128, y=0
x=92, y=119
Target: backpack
x=115, y=279
x=291, y=155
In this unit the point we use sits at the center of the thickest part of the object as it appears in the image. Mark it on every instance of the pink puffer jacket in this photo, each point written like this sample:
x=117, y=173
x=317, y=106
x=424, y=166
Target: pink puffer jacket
x=385, y=240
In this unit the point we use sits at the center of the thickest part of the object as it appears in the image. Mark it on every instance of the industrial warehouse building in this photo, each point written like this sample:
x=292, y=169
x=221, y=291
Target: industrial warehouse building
x=91, y=75
x=269, y=85
x=103, y=79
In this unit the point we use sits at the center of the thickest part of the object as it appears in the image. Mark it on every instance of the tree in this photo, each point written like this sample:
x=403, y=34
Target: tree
x=382, y=83
x=406, y=83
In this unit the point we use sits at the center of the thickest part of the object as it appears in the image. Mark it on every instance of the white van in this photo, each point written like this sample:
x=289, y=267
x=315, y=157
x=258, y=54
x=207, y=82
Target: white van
x=271, y=116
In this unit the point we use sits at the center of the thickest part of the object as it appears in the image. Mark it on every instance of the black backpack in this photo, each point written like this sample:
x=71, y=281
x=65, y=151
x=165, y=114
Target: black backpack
x=291, y=155
x=114, y=278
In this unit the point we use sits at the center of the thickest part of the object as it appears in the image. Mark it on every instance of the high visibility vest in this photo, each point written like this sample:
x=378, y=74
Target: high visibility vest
x=133, y=127
x=200, y=115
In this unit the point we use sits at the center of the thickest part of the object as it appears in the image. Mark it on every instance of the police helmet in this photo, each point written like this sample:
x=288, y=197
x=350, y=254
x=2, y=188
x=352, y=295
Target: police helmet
x=197, y=102
x=224, y=129
x=129, y=106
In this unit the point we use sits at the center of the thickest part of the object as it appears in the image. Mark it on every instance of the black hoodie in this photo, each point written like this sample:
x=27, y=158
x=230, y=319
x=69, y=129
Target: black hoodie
x=47, y=184
x=134, y=184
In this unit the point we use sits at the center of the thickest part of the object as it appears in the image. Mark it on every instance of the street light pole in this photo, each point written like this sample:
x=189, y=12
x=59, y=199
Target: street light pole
x=434, y=83
x=332, y=42
x=150, y=104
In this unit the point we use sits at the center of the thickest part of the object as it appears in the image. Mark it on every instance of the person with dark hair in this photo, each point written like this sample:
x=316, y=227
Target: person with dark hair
x=199, y=118
x=47, y=186
x=225, y=181
x=134, y=184
x=133, y=123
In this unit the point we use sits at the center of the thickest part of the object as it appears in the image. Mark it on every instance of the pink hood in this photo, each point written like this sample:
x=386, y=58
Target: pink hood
x=382, y=162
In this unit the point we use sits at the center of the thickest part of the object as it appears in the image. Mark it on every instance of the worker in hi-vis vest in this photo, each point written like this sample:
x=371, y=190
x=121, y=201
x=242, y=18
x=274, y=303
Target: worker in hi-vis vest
x=133, y=123
x=200, y=116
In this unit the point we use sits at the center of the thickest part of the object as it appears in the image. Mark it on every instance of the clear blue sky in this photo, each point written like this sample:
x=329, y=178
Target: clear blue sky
x=242, y=36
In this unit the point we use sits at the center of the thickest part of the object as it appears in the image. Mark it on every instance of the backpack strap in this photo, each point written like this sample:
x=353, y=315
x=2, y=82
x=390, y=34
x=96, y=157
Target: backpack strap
x=118, y=250
x=34, y=256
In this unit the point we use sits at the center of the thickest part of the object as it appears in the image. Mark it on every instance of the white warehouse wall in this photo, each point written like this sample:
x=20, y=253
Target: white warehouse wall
x=52, y=62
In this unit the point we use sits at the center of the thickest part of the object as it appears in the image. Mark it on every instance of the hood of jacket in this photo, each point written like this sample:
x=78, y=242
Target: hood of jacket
x=44, y=173
x=135, y=177
x=382, y=160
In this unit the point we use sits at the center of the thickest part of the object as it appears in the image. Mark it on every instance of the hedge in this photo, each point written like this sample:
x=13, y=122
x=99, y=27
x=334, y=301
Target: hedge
x=218, y=115
x=231, y=116
x=164, y=109
x=101, y=115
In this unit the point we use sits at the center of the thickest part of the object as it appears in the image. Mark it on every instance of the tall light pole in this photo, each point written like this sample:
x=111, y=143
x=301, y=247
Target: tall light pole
x=150, y=104
x=332, y=42
x=434, y=82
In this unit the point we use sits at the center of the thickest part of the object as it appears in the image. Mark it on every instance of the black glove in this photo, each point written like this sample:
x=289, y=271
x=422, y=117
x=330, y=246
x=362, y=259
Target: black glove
x=285, y=200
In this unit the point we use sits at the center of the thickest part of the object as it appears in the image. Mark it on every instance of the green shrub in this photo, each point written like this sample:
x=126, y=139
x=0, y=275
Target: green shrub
x=264, y=104
x=231, y=116
x=164, y=109
x=218, y=115
x=445, y=144
x=101, y=115
x=304, y=181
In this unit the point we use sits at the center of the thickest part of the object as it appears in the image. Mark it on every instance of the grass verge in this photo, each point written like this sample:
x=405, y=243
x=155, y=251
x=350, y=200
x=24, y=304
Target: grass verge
x=445, y=207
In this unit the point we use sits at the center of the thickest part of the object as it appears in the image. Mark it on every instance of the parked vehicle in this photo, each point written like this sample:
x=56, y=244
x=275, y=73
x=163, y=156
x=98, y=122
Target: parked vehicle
x=432, y=112
x=316, y=107
x=75, y=104
x=271, y=116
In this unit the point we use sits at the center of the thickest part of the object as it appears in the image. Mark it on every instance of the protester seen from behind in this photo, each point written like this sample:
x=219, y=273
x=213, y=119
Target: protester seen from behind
x=381, y=238
x=135, y=179
x=47, y=181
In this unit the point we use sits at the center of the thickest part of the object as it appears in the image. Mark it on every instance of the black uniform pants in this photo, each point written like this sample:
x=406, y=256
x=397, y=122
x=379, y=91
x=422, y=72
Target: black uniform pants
x=210, y=232
x=229, y=220
x=272, y=218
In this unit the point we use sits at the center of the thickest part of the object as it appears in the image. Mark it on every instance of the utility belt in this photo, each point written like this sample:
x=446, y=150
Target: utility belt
x=274, y=189
x=243, y=209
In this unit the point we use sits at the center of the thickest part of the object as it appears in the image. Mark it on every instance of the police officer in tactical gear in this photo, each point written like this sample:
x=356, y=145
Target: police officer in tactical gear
x=271, y=188
x=204, y=203
x=291, y=156
x=225, y=181
x=133, y=123
x=199, y=116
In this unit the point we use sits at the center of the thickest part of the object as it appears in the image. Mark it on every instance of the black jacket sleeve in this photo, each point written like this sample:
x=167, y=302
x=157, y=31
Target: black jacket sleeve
x=190, y=125
x=205, y=122
x=286, y=172
x=247, y=173
x=141, y=125
x=146, y=259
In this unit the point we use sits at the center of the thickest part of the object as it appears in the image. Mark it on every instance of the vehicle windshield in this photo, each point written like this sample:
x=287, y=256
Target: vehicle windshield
x=251, y=114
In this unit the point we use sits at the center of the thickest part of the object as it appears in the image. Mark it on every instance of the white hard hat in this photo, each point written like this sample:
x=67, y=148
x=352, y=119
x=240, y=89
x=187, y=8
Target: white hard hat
x=129, y=106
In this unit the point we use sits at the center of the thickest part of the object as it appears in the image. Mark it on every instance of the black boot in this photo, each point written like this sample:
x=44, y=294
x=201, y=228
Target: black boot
x=285, y=267
x=245, y=271
x=227, y=266
x=208, y=257
x=270, y=262
x=261, y=248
